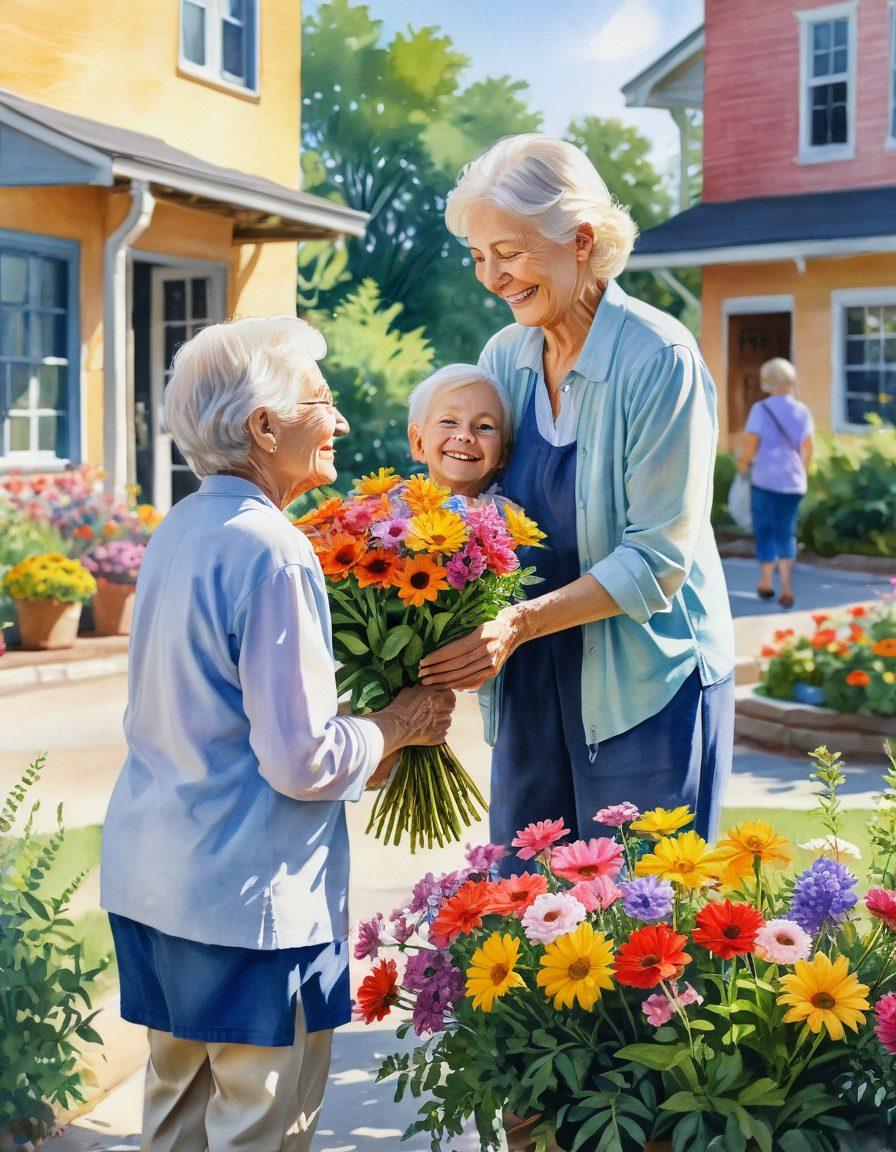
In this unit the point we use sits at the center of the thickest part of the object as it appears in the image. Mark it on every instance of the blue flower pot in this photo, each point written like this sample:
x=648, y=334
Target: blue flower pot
x=808, y=694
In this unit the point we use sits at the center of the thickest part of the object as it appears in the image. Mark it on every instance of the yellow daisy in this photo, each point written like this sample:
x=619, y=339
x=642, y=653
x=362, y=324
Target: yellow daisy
x=748, y=842
x=523, y=531
x=423, y=495
x=659, y=822
x=825, y=995
x=576, y=966
x=686, y=860
x=492, y=972
x=376, y=483
x=438, y=531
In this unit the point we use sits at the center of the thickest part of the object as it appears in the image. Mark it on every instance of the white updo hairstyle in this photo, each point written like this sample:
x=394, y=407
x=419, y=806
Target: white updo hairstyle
x=228, y=370
x=449, y=379
x=554, y=184
x=777, y=375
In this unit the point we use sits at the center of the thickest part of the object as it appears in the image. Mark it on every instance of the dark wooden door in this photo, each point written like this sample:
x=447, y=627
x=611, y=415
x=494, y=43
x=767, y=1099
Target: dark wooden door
x=752, y=340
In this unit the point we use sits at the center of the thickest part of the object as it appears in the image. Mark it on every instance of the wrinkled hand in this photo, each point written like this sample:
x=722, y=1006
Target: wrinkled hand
x=383, y=771
x=471, y=660
x=422, y=715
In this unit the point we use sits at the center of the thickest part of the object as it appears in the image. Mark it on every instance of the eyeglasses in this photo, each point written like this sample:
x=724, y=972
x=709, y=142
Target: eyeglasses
x=326, y=403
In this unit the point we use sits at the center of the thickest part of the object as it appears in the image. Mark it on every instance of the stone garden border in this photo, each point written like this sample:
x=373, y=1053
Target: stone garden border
x=802, y=727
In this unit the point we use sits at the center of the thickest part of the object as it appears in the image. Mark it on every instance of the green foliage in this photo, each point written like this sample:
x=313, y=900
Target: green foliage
x=724, y=472
x=45, y=1006
x=22, y=536
x=851, y=503
x=882, y=826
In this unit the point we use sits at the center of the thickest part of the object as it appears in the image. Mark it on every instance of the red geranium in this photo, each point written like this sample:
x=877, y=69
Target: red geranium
x=824, y=637
x=378, y=993
x=728, y=929
x=462, y=912
x=651, y=954
x=514, y=895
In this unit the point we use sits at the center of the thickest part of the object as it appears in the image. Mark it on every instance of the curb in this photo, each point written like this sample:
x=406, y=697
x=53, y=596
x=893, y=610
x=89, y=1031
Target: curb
x=41, y=675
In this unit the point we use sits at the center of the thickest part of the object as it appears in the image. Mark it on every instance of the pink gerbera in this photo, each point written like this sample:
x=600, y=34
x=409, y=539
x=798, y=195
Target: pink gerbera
x=391, y=532
x=882, y=904
x=551, y=915
x=885, y=1021
x=588, y=859
x=597, y=894
x=617, y=815
x=357, y=518
x=465, y=567
x=535, y=838
x=782, y=942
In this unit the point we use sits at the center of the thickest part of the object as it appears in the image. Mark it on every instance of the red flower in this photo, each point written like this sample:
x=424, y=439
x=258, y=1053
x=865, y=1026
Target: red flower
x=783, y=634
x=651, y=954
x=858, y=679
x=856, y=632
x=83, y=532
x=819, y=618
x=462, y=912
x=858, y=611
x=824, y=637
x=768, y=652
x=512, y=896
x=727, y=929
x=882, y=904
x=378, y=993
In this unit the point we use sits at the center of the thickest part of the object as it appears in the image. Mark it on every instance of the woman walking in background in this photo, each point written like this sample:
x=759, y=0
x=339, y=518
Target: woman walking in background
x=778, y=446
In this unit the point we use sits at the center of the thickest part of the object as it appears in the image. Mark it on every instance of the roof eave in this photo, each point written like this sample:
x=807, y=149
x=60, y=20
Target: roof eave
x=762, y=253
x=638, y=91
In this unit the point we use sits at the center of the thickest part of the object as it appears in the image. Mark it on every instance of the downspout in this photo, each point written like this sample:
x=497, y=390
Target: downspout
x=117, y=385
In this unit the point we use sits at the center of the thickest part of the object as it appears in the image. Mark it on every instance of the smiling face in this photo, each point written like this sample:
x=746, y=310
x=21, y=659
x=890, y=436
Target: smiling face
x=461, y=439
x=538, y=278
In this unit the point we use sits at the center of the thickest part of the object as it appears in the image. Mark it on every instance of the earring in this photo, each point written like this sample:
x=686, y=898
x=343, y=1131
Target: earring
x=274, y=449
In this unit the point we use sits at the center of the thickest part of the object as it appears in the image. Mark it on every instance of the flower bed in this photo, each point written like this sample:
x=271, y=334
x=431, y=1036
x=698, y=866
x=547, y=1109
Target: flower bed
x=644, y=986
x=850, y=660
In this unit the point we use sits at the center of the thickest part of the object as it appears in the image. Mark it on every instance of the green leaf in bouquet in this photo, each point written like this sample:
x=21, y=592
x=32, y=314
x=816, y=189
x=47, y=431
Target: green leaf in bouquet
x=653, y=1055
x=440, y=622
x=397, y=639
x=724, y=1072
x=683, y=1102
x=344, y=600
x=374, y=633
x=371, y=696
x=410, y=657
x=352, y=643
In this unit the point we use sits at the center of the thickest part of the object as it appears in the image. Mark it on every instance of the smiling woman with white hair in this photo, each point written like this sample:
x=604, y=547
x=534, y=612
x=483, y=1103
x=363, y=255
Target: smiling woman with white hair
x=225, y=852
x=615, y=683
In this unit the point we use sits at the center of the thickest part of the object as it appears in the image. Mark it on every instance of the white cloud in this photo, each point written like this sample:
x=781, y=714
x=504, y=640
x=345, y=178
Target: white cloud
x=634, y=29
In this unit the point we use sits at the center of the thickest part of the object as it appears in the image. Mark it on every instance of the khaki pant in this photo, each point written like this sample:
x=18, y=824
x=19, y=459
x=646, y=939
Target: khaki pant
x=223, y=1097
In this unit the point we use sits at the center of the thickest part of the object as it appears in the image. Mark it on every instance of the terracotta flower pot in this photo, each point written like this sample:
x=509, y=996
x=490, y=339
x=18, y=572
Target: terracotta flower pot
x=47, y=624
x=113, y=607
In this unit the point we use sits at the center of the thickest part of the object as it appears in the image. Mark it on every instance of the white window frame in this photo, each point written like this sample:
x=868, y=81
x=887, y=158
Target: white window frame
x=841, y=300
x=823, y=153
x=212, y=72
x=890, y=142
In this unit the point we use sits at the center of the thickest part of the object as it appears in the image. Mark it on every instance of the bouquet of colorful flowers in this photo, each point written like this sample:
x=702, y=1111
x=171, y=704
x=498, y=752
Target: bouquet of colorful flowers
x=644, y=986
x=410, y=567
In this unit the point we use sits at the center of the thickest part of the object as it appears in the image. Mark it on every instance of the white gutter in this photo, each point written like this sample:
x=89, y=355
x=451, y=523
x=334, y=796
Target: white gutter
x=760, y=253
x=117, y=397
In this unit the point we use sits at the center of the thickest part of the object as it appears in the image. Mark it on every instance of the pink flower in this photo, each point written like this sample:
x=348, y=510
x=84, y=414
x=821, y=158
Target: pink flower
x=782, y=942
x=551, y=915
x=597, y=894
x=500, y=558
x=688, y=995
x=482, y=857
x=370, y=938
x=586, y=860
x=390, y=532
x=399, y=930
x=357, y=518
x=882, y=904
x=657, y=1009
x=617, y=815
x=535, y=838
x=885, y=1021
x=465, y=567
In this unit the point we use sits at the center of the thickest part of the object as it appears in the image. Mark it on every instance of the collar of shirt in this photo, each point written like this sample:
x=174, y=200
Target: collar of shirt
x=596, y=355
x=220, y=485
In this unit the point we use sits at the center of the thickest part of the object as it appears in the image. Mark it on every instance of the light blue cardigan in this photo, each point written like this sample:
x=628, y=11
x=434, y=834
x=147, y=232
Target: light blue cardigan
x=646, y=443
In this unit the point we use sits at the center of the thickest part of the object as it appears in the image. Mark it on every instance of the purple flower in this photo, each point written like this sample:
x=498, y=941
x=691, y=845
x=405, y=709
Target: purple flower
x=427, y=894
x=484, y=857
x=437, y=985
x=400, y=929
x=822, y=895
x=647, y=898
x=467, y=566
x=390, y=532
x=370, y=938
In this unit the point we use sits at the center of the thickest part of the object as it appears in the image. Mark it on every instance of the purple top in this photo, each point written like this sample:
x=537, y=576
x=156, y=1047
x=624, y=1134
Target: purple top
x=777, y=465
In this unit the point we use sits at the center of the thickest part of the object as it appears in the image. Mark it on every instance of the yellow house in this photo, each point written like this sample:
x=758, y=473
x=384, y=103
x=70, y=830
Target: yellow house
x=149, y=185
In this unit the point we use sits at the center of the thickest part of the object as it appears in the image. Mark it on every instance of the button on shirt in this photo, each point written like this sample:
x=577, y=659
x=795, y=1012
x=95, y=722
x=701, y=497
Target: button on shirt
x=227, y=823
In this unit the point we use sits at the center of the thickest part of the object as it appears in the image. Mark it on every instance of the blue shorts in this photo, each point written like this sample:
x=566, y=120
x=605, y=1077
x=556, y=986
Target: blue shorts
x=221, y=995
x=774, y=523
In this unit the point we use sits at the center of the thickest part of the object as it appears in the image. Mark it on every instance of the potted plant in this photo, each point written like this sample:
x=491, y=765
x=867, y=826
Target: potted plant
x=49, y=591
x=115, y=566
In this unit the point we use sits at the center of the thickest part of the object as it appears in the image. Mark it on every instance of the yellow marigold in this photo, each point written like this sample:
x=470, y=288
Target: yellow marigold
x=748, y=842
x=492, y=972
x=524, y=532
x=375, y=483
x=659, y=822
x=686, y=860
x=149, y=516
x=423, y=495
x=575, y=967
x=438, y=531
x=825, y=994
x=49, y=576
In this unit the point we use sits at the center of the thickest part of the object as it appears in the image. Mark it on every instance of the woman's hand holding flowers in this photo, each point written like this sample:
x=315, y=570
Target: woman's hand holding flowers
x=477, y=657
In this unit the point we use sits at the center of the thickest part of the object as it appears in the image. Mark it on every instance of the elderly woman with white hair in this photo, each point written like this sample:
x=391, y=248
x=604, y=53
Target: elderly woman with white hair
x=225, y=851
x=615, y=682
x=776, y=453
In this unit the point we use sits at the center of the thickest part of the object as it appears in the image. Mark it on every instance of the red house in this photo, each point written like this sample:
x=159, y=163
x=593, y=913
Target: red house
x=796, y=229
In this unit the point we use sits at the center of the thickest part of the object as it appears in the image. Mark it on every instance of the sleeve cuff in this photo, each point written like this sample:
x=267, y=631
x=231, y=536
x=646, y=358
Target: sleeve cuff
x=369, y=739
x=614, y=575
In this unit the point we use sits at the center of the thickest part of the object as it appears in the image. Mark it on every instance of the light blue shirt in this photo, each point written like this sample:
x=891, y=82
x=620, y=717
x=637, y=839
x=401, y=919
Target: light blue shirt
x=227, y=823
x=646, y=441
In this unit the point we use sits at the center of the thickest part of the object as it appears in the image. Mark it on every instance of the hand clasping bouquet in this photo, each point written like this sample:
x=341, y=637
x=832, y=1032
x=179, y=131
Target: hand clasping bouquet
x=409, y=567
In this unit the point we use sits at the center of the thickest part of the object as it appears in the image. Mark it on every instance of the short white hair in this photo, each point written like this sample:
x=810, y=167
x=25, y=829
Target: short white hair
x=227, y=371
x=779, y=374
x=449, y=379
x=555, y=185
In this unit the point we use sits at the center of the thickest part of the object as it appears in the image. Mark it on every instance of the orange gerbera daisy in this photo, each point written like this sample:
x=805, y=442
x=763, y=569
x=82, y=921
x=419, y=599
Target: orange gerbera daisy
x=858, y=679
x=375, y=483
x=727, y=928
x=322, y=514
x=885, y=647
x=651, y=954
x=420, y=580
x=339, y=555
x=462, y=912
x=376, y=568
x=512, y=896
x=423, y=495
x=378, y=993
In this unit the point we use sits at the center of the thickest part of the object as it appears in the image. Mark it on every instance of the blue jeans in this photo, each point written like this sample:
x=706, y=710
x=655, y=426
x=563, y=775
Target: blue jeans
x=774, y=523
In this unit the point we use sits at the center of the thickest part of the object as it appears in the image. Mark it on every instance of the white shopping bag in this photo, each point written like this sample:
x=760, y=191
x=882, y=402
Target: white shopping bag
x=739, y=502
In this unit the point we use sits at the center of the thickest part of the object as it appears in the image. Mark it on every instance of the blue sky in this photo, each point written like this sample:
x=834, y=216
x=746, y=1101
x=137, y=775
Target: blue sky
x=575, y=54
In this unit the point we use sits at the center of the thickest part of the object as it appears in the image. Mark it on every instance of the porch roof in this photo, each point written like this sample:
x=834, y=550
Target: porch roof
x=768, y=228
x=40, y=145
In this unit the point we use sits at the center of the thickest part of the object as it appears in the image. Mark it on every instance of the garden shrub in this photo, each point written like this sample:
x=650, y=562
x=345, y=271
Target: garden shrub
x=45, y=1009
x=723, y=474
